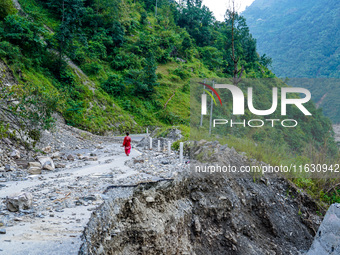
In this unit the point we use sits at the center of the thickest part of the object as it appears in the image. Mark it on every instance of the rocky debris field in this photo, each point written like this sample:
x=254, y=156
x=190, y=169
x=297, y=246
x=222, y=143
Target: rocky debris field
x=47, y=196
x=198, y=213
x=57, y=144
x=80, y=191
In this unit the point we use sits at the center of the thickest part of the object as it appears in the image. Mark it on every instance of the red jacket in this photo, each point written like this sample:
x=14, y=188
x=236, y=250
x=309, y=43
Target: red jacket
x=127, y=142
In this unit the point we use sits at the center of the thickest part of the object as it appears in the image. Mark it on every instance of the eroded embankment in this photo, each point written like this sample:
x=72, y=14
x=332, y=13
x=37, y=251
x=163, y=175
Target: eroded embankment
x=204, y=214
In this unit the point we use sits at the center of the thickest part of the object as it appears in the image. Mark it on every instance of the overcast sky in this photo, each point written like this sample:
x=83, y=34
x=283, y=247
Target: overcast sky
x=218, y=7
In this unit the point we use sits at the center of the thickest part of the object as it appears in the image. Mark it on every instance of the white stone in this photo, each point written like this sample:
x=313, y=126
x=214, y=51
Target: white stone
x=150, y=199
x=15, y=154
x=47, y=149
x=18, y=202
x=46, y=162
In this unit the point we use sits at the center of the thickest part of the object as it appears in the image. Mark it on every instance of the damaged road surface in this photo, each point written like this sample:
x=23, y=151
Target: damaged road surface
x=62, y=201
x=150, y=203
x=61, y=205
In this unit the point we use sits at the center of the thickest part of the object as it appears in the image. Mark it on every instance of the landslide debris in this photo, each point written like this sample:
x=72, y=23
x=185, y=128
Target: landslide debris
x=200, y=213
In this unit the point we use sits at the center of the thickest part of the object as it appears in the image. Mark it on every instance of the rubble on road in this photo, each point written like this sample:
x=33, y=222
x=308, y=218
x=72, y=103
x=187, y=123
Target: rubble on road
x=22, y=201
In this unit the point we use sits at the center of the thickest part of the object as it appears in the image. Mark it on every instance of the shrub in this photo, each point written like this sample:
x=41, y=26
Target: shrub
x=114, y=85
x=6, y=8
x=181, y=73
x=9, y=50
x=92, y=68
x=24, y=33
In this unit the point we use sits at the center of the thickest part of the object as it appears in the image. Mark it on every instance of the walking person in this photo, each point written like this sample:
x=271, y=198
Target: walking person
x=127, y=144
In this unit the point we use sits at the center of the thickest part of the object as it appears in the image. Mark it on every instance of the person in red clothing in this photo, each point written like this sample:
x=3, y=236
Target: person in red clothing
x=127, y=144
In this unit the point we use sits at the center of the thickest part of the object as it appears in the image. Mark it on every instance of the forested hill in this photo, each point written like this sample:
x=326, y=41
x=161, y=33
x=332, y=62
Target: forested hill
x=303, y=39
x=117, y=65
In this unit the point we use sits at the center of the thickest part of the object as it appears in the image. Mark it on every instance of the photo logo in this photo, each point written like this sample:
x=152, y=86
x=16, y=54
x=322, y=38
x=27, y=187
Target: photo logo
x=239, y=103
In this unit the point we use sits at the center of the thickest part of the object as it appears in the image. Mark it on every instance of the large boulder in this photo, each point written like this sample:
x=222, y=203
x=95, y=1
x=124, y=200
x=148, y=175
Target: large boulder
x=327, y=239
x=15, y=154
x=34, y=164
x=34, y=170
x=46, y=163
x=9, y=168
x=22, y=201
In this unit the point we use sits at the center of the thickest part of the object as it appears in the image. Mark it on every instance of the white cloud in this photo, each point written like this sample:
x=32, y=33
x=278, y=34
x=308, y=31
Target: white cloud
x=219, y=7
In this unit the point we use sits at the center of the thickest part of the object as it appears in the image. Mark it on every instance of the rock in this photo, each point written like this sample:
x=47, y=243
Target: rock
x=19, y=202
x=6, y=140
x=327, y=239
x=150, y=199
x=181, y=60
x=55, y=155
x=70, y=157
x=201, y=142
x=47, y=149
x=105, y=197
x=26, y=211
x=60, y=165
x=22, y=163
x=15, y=154
x=197, y=224
x=34, y=164
x=46, y=163
x=34, y=170
x=89, y=198
x=2, y=231
x=93, y=158
x=93, y=154
x=174, y=134
x=9, y=168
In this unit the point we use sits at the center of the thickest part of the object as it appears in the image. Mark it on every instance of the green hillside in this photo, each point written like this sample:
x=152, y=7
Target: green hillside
x=131, y=61
x=303, y=39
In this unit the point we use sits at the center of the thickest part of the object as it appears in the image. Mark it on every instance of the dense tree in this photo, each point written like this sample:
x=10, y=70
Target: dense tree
x=6, y=8
x=71, y=13
x=26, y=34
x=197, y=19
